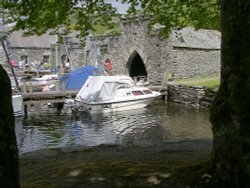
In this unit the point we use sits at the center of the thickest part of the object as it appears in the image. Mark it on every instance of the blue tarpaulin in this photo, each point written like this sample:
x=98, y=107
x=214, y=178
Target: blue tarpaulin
x=74, y=80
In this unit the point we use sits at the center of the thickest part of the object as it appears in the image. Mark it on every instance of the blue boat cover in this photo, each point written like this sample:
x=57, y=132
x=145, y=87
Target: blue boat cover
x=74, y=80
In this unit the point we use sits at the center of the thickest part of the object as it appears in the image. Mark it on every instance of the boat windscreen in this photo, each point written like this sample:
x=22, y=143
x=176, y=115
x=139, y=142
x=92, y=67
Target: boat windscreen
x=147, y=92
x=108, y=91
x=138, y=92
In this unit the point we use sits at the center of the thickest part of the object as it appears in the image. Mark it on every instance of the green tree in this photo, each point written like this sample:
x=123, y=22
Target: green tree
x=176, y=14
x=61, y=16
x=229, y=164
x=230, y=115
x=57, y=16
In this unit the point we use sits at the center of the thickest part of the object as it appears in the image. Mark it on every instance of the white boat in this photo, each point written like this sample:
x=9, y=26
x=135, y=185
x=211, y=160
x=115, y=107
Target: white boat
x=17, y=104
x=101, y=94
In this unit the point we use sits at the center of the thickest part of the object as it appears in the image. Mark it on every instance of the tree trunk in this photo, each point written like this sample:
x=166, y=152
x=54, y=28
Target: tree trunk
x=230, y=113
x=9, y=177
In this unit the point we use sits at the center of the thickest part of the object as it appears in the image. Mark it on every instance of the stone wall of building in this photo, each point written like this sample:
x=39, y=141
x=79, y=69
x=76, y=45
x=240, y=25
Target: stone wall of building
x=76, y=57
x=189, y=63
x=134, y=40
x=33, y=54
x=197, y=53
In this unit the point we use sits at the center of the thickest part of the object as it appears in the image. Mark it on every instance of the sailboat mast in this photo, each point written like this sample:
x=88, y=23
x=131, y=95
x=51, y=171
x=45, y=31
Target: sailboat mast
x=67, y=52
x=11, y=68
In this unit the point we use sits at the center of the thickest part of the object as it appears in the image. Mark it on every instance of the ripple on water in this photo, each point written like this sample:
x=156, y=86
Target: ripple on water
x=152, y=125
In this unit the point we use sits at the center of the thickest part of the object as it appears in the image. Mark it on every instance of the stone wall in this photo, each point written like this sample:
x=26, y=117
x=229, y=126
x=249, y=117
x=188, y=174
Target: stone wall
x=197, y=97
x=135, y=39
x=34, y=54
x=76, y=54
x=186, y=58
x=189, y=63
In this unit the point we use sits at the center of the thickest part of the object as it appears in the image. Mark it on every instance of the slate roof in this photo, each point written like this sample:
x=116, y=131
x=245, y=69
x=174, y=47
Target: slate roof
x=43, y=41
x=200, y=39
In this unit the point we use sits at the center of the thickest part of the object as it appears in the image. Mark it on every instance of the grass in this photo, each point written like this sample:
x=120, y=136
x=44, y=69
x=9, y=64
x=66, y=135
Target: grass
x=209, y=82
x=100, y=30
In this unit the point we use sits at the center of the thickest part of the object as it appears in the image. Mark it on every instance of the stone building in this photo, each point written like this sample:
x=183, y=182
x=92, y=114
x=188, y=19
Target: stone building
x=138, y=51
x=42, y=50
x=197, y=53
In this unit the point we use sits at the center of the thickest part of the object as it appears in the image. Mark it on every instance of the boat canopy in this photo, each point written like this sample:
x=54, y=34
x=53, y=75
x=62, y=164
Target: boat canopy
x=75, y=79
x=102, y=88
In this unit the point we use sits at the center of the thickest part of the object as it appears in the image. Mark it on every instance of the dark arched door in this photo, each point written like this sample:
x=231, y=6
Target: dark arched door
x=136, y=67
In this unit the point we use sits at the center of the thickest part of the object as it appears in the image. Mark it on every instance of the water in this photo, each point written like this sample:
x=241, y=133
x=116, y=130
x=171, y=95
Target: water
x=155, y=124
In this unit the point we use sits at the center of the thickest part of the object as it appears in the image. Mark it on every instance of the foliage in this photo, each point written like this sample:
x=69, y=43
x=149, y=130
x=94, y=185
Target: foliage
x=101, y=30
x=58, y=16
x=176, y=14
x=61, y=16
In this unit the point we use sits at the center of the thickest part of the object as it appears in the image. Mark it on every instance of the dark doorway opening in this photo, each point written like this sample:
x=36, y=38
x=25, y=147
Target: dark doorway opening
x=136, y=67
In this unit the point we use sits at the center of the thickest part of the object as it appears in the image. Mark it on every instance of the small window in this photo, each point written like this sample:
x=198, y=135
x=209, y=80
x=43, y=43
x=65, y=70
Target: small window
x=147, y=92
x=136, y=93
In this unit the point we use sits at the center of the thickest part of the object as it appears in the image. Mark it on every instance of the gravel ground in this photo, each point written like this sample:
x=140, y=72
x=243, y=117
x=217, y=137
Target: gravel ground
x=112, y=165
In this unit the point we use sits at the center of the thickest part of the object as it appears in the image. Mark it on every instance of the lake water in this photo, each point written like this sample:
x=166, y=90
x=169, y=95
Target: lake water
x=156, y=124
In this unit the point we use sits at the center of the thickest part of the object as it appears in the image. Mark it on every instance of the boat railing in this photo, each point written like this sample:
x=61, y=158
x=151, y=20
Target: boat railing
x=141, y=80
x=34, y=86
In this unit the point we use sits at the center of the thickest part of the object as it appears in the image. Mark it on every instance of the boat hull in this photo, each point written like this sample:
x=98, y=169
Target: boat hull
x=106, y=107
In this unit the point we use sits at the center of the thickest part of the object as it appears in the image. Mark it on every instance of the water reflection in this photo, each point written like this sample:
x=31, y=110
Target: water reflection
x=153, y=125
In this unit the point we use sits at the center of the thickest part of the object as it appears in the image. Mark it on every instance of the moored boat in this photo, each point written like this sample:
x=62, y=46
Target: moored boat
x=101, y=94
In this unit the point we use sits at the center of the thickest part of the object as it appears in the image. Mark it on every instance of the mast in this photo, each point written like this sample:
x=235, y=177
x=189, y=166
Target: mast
x=67, y=52
x=98, y=64
x=3, y=38
x=8, y=60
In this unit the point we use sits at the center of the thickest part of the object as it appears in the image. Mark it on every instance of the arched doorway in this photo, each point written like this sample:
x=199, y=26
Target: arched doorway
x=136, y=66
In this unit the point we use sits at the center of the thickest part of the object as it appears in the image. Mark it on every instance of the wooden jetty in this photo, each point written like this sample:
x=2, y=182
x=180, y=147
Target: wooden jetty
x=33, y=95
x=48, y=97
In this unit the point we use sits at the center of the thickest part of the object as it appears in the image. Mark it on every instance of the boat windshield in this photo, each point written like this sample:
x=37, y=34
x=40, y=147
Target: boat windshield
x=147, y=92
x=138, y=92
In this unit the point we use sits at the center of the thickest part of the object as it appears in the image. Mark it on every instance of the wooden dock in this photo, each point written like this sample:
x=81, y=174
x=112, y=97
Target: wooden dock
x=48, y=97
x=33, y=93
